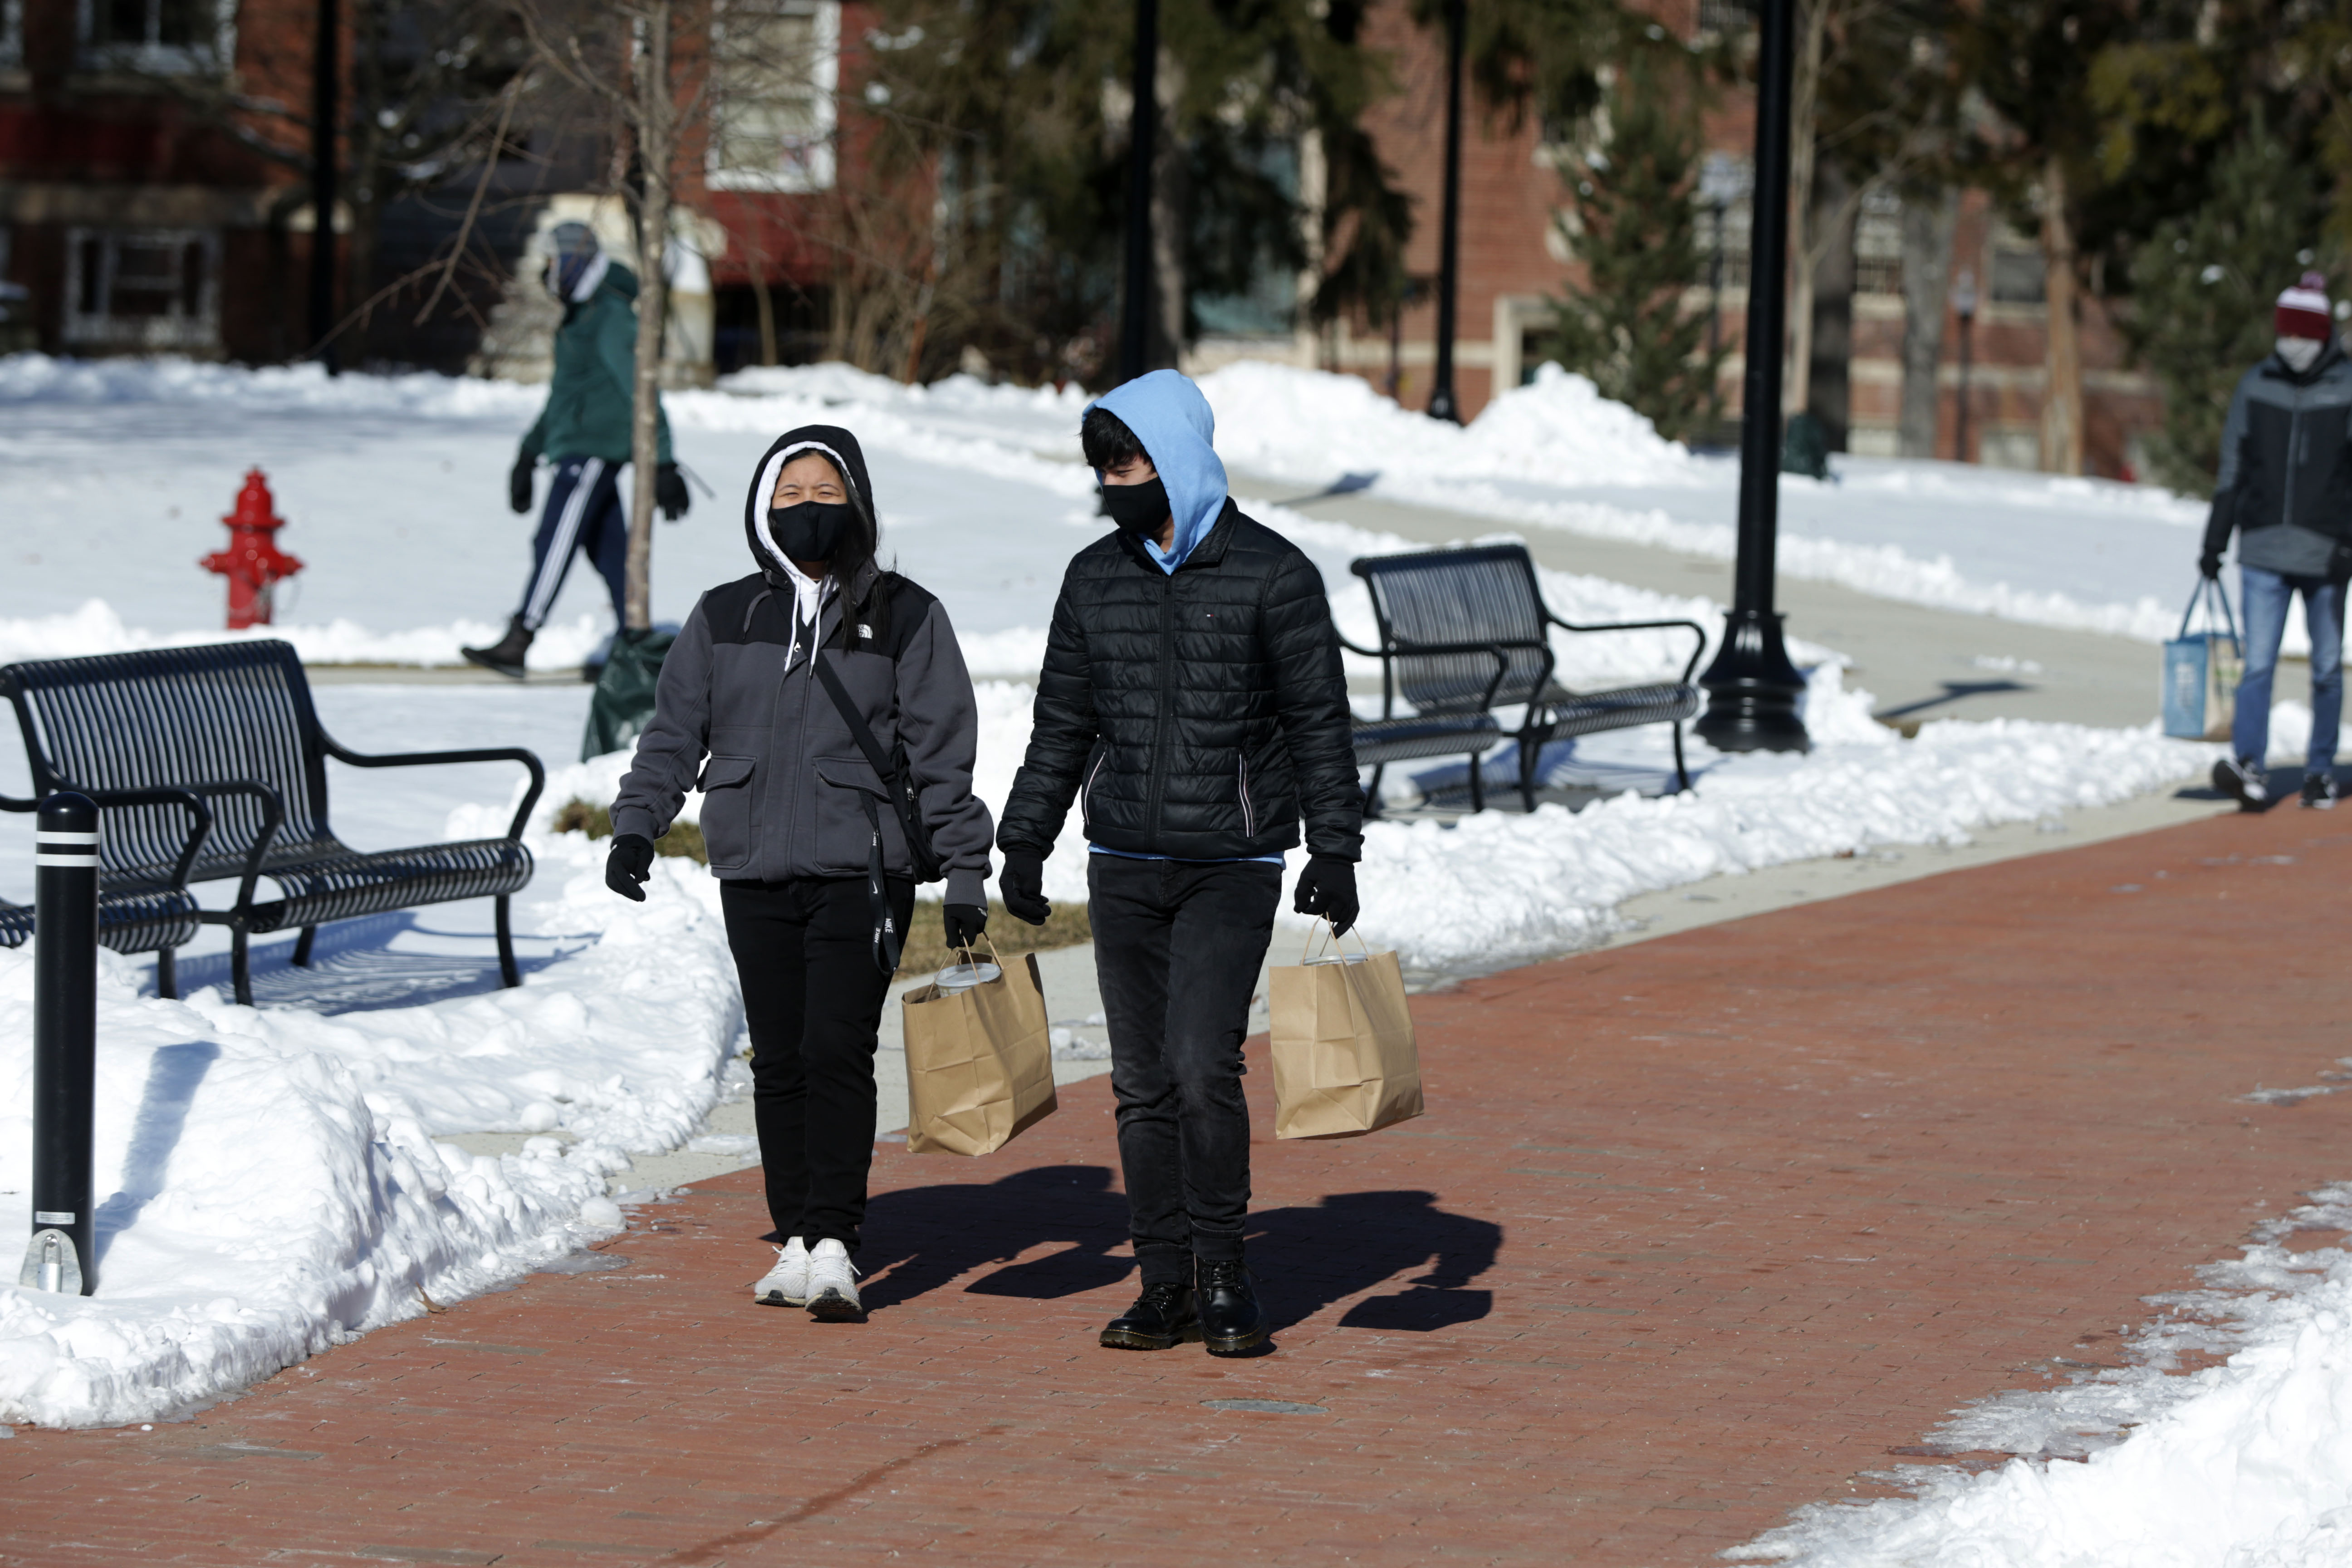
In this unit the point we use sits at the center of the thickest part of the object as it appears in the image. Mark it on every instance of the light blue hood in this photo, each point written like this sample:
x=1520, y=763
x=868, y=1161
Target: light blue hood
x=1172, y=420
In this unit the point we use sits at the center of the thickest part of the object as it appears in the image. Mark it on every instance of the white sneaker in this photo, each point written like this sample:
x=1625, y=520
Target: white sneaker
x=832, y=1284
x=787, y=1284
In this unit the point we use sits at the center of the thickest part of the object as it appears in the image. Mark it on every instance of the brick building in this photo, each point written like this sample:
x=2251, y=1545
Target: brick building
x=1513, y=263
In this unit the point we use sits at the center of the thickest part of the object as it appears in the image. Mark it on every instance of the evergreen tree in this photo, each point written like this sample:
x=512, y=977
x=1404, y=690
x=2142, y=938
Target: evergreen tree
x=2204, y=283
x=1632, y=224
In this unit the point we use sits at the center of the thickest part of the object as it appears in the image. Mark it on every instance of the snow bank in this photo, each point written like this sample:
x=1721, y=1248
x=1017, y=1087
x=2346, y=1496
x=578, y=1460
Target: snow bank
x=1282, y=421
x=2244, y=1465
x=1501, y=888
x=97, y=628
x=224, y=1253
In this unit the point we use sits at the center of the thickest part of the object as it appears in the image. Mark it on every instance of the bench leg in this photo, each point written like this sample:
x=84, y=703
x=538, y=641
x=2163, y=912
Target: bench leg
x=1477, y=782
x=508, y=973
x=302, y=947
x=1682, y=773
x=241, y=965
x=1373, y=791
x=167, y=974
x=1532, y=745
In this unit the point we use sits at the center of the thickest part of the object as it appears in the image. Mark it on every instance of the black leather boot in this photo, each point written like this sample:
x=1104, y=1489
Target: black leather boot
x=1231, y=1318
x=1163, y=1317
x=506, y=655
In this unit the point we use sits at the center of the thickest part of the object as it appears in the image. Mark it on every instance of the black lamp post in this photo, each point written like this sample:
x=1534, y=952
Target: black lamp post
x=1442, y=404
x=1143, y=133
x=325, y=78
x=1964, y=304
x=1752, y=688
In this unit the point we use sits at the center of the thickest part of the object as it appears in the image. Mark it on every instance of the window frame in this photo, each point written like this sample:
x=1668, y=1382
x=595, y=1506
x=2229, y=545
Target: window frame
x=12, y=35
x=145, y=59
x=173, y=329
x=815, y=171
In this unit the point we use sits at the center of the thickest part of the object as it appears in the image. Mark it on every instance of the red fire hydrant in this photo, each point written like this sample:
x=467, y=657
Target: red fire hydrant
x=253, y=563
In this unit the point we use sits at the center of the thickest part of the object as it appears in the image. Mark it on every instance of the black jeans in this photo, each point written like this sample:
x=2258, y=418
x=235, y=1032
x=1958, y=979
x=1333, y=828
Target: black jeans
x=813, y=999
x=1177, y=950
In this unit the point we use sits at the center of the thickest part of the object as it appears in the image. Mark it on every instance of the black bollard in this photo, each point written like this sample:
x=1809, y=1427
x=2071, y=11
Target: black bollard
x=65, y=1045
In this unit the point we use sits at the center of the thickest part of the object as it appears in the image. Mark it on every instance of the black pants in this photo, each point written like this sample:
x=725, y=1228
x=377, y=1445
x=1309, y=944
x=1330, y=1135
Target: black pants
x=812, y=999
x=1177, y=950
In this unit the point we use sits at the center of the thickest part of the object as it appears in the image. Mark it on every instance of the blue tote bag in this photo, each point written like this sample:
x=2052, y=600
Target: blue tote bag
x=2201, y=669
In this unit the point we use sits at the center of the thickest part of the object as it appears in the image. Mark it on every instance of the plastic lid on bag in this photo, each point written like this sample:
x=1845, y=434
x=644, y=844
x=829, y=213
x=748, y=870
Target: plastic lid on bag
x=964, y=976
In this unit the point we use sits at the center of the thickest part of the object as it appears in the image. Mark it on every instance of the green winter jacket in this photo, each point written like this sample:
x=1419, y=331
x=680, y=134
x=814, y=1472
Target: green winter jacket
x=587, y=412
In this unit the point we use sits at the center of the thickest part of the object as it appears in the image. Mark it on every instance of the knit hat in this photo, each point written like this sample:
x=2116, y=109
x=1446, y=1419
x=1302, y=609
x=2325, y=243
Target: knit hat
x=2303, y=311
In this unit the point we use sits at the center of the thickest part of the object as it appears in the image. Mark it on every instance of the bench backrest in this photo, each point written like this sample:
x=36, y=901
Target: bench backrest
x=177, y=716
x=1487, y=594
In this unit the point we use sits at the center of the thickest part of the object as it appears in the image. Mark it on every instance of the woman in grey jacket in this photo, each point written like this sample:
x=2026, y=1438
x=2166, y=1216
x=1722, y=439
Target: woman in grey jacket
x=810, y=840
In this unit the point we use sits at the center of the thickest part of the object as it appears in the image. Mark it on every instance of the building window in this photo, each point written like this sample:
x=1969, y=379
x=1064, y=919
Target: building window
x=2018, y=278
x=1878, y=245
x=11, y=34
x=173, y=37
x=142, y=289
x=775, y=66
x=1726, y=19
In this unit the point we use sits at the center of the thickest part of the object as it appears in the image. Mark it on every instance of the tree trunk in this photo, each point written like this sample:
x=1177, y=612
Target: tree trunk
x=1830, y=394
x=1169, y=203
x=1804, y=118
x=2061, y=394
x=1927, y=227
x=656, y=132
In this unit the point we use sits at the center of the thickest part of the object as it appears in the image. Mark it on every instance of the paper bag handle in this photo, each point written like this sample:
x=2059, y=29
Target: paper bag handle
x=996, y=956
x=1323, y=923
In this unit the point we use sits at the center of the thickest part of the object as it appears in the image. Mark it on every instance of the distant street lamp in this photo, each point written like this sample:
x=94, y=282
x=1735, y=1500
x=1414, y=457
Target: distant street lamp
x=325, y=79
x=1143, y=133
x=1964, y=301
x=1752, y=688
x=1721, y=182
x=1443, y=405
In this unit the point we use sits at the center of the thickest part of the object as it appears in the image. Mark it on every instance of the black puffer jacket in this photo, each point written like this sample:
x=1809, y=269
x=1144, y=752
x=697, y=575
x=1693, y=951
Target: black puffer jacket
x=1198, y=714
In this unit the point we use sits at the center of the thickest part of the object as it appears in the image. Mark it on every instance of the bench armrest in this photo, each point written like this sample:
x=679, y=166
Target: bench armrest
x=200, y=814
x=1697, y=648
x=273, y=818
x=528, y=758
x=1358, y=647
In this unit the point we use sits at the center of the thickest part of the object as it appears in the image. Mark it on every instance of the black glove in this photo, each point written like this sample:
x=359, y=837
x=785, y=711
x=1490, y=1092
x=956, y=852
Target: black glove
x=1022, y=886
x=1327, y=887
x=518, y=482
x=2210, y=564
x=630, y=865
x=669, y=491
x=963, y=924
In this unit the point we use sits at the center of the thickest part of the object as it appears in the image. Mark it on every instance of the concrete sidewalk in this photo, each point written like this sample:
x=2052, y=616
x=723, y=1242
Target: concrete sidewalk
x=1696, y=1231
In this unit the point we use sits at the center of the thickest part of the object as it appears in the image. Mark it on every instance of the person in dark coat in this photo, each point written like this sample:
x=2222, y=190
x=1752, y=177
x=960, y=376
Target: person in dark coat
x=1193, y=706
x=2285, y=489
x=816, y=873
x=583, y=434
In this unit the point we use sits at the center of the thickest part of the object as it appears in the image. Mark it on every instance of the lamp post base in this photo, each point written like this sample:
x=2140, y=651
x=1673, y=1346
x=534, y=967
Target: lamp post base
x=1752, y=690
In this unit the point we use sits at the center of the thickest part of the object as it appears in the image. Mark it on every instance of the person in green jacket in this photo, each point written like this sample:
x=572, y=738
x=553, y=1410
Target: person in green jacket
x=583, y=434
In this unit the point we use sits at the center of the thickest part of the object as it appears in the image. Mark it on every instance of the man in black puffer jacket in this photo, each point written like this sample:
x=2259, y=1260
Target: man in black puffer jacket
x=1193, y=704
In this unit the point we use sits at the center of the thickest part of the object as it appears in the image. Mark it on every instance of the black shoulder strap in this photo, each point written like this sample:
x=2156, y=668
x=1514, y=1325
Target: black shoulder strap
x=858, y=729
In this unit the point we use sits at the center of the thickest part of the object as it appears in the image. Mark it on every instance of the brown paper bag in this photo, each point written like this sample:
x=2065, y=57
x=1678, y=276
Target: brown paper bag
x=1345, y=1061
x=979, y=1066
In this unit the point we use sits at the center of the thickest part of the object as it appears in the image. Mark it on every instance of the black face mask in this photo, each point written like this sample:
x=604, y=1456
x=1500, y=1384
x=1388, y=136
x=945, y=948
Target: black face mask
x=1138, y=509
x=812, y=531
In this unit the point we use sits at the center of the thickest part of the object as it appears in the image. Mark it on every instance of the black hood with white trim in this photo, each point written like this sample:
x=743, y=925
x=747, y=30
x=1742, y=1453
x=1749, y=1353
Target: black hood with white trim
x=839, y=446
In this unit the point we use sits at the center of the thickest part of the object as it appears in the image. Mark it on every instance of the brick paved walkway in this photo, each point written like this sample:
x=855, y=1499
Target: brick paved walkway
x=1697, y=1231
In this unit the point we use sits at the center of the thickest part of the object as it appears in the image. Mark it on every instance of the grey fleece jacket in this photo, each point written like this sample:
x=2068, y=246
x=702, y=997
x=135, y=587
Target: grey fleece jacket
x=739, y=714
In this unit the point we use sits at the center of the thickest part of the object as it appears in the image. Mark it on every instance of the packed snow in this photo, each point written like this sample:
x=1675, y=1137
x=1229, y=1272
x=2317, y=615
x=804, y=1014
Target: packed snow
x=2243, y=1465
x=400, y=1037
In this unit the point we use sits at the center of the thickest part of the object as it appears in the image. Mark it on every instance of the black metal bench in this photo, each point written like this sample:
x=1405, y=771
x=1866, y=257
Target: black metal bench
x=1464, y=632
x=232, y=726
x=137, y=920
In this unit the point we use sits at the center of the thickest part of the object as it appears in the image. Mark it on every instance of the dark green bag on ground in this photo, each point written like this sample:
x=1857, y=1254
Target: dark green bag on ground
x=1805, y=447
x=624, y=703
